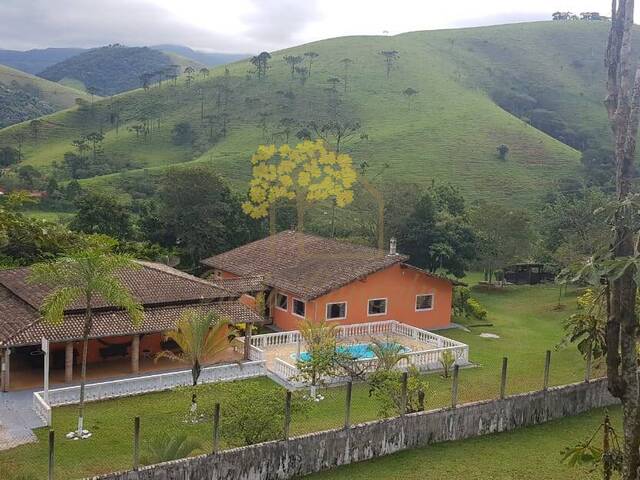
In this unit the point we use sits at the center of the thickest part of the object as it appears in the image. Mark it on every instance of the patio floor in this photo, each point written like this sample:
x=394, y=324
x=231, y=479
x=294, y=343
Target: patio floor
x=285, y=352
x=23, y=377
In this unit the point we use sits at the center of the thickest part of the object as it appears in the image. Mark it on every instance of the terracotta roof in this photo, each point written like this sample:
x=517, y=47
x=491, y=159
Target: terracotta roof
x=305, y=265
x=117, y=323
x=152, y=284
x=242, y=284
x=164, y=292
x=16, y=315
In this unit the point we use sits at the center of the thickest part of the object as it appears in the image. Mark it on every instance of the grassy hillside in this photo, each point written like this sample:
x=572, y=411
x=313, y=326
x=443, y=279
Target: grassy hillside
x=36, y=60
x=112, y=69
x=448, y=131
x=25, y=97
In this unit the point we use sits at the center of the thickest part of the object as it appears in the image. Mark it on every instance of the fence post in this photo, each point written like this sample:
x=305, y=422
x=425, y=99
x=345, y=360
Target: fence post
x=403, y=395
x=454, y=387
x=52, y=438
x=503, y=378
x=136, y=443
x=216, y=427
x=347, y=412
x=587, y=371
x=547, y=367
x=287, y=415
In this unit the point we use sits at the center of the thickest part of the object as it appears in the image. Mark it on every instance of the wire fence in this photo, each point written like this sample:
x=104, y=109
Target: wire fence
x=164, y=426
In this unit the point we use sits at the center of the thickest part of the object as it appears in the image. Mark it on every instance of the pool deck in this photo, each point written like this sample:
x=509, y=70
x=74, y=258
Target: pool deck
x=284, y=352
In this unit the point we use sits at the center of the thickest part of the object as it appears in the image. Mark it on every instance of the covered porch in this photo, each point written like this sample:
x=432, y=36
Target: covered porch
x=107, y=358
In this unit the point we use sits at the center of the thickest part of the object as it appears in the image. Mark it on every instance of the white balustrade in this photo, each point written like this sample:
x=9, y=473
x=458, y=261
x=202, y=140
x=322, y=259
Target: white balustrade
x=41, y=408
x=144, y=384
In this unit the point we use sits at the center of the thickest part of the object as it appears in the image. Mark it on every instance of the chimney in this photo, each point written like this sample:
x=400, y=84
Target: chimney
x=392, y=246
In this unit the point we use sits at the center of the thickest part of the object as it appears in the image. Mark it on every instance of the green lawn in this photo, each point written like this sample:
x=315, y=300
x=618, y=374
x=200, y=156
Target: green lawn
x=528, y=454
x=526, y=319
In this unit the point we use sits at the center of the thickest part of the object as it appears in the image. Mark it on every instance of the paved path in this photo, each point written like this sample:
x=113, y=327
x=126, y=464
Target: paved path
x=17, y=419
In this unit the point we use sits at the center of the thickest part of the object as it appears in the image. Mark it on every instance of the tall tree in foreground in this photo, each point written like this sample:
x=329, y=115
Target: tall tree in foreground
x=623, y=107
x=83, y=277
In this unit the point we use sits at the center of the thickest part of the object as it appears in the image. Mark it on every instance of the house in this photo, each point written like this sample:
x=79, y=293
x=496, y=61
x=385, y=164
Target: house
x=116, y=346
x=312, y=277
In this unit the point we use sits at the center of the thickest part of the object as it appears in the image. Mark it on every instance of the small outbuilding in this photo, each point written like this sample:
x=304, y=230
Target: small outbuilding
x=529, y=273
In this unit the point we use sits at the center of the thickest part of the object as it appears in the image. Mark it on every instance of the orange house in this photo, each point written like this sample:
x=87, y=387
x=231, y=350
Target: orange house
x=318, y=278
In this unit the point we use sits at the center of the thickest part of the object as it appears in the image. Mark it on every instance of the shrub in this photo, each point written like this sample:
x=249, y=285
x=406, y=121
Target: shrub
x=259, y=416
x=386, y=388
x=503, y=150
x=475, y=309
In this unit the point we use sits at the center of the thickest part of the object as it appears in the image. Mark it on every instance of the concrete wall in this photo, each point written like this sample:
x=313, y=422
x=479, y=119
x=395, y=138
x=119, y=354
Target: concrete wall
x=319, y=451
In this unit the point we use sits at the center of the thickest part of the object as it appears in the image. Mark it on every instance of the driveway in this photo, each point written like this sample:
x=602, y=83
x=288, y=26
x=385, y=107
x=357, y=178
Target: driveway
x=17, y=419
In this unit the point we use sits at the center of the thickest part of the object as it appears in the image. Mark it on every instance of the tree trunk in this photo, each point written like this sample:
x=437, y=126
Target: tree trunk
x=88, y=322
x=623, y=105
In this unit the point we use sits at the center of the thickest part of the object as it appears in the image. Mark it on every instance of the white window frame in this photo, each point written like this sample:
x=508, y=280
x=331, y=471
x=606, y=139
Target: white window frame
x=386, y=307
x=285, y=296
x=293, y=312
x=433, y=299
x=326, y=311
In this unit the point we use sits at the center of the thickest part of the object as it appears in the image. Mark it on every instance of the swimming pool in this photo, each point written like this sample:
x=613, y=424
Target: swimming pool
x=357, y=351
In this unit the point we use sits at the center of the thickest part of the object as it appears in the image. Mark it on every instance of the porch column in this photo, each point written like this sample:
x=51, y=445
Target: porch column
x=6, y=370
x=68, y=362
x=247, y=340
x=135, y=354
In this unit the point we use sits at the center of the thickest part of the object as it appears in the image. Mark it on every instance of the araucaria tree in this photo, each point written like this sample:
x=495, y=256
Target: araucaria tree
x=311, y=56
x=293, y=61
x=390, y=60
x=623, y=107
x=346, y=63
x=308, y=172
x=83, y=278
x=261, y=62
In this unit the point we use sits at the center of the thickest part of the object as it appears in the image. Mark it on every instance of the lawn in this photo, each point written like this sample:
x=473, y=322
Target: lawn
x=527, y=454
x=527, y=320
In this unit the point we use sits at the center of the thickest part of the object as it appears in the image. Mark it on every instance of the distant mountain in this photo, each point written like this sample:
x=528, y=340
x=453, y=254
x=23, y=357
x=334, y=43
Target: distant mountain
x=114, y=68
x=206, y=58
x=34, y=61
x=25, y=97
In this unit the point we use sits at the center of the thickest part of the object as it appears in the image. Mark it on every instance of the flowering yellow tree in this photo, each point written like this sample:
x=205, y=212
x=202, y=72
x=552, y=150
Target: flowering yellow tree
x=307, y=172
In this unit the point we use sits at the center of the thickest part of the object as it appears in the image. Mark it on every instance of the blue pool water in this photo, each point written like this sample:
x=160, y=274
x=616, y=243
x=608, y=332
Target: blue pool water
x=357, y=351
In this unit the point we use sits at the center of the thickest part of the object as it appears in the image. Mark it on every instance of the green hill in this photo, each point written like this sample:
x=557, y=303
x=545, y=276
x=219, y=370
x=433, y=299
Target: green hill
x=548, y=74
x=25, y=97
x=114, y=68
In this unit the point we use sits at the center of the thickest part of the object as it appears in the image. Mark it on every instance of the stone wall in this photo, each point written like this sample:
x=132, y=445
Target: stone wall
x=319, y=451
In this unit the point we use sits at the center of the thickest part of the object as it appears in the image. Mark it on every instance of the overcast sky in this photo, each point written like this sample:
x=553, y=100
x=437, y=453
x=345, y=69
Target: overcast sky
x=248, y=26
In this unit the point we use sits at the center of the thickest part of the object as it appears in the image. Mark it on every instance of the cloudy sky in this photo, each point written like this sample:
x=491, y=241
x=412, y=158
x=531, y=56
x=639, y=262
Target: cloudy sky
x=248, y=26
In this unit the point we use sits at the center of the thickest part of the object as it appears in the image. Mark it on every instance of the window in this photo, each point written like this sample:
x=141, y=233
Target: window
x=378, y=306
x=298, y=307
x=424, y=302
x=336, y=311
x=282, y=301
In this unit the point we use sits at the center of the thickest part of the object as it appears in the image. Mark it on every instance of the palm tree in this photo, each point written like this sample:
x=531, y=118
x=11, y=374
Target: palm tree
x=81, y=277
x=167, y=447
x=201, y=337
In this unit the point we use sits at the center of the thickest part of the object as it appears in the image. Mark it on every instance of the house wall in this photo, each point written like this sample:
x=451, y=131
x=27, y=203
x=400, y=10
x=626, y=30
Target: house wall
x=398, y=284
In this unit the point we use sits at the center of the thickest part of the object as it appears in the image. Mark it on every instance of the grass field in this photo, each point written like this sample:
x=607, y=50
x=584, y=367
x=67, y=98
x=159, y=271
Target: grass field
x=528, y=454
x=449, y=131
x=526, y=319
x=57, y=95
